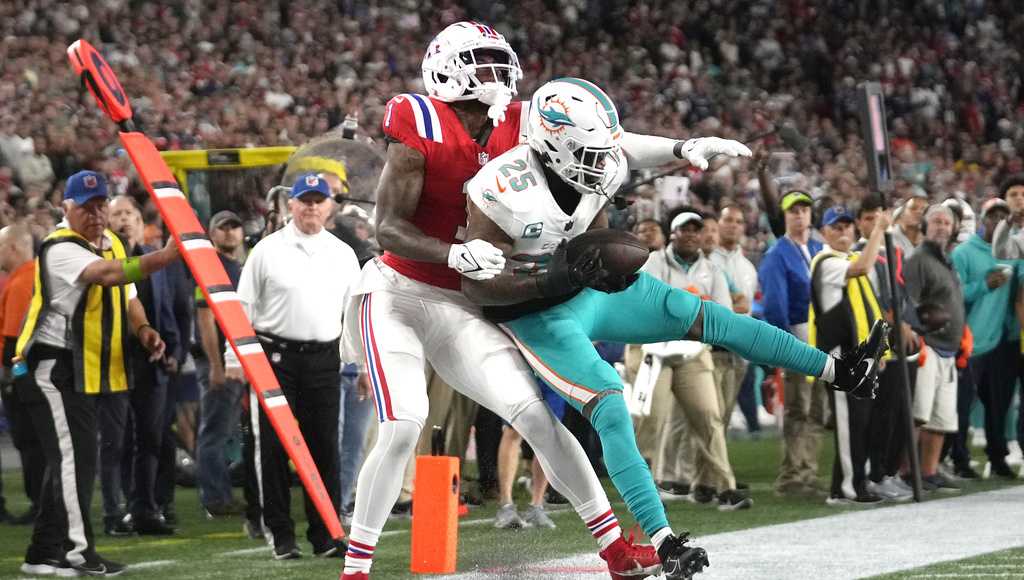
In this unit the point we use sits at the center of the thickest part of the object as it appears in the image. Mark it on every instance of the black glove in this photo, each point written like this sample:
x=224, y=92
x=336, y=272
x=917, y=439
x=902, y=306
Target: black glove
x=563, y=277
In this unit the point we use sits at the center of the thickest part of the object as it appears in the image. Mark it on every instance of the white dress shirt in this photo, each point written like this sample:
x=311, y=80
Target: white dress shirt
x=295, y=286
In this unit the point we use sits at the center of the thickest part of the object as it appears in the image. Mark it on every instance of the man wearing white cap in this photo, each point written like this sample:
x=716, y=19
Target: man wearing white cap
x=689, y=378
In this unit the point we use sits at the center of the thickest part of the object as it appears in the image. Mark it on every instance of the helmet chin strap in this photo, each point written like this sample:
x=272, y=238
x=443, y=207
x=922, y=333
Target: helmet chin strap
x=499, y=97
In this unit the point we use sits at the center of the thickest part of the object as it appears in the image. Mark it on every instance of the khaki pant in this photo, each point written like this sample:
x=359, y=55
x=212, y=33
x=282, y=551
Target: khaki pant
x=806, y=411
x=453, y=412
x=690, y=445
x=729, y=371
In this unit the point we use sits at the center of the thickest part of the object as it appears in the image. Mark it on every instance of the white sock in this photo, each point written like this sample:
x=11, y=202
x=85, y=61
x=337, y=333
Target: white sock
x=601, y=521
x=660, y=536
x=380, y=483
x=828, y=374
x=362, y=542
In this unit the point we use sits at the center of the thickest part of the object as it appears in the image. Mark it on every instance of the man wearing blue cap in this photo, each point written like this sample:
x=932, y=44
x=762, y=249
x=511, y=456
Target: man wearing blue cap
x=294, y=287
x=72, y=348
x=844, y=305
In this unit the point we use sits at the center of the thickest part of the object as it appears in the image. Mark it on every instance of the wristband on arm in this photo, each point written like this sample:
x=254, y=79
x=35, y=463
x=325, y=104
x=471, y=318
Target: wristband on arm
x=132, y=269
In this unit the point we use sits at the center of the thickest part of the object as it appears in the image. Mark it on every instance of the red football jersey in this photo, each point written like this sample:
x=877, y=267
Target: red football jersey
x=452, y=157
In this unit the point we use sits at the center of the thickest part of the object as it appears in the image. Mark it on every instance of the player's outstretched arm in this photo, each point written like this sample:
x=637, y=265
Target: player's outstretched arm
x=651, y=151
x=398, y=194
x=560, y=279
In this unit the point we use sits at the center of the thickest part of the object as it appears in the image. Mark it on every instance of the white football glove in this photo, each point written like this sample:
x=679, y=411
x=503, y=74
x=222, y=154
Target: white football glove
x=699, y=151
x=476, y=259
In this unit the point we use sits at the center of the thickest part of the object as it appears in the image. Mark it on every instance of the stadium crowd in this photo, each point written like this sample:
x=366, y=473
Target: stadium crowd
x=251, y=73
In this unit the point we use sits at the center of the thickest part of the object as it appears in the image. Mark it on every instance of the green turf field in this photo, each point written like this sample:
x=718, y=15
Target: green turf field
x=1005, y=564
x=217, y=548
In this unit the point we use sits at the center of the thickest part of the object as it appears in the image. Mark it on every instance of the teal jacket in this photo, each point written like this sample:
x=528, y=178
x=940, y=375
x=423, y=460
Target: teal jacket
x=990, y=313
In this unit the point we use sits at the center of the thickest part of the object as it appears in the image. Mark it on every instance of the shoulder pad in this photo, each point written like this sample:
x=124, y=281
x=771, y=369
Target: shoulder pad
x=412, y=119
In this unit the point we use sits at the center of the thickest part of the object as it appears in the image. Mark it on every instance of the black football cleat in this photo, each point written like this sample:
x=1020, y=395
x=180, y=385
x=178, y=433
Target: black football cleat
x=857, y=370
x=680, y=561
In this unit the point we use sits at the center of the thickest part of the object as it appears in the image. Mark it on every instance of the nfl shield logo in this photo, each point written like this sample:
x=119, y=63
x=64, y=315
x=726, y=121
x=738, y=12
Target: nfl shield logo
x=312, y=180
x=483, y=158
x=89, y=181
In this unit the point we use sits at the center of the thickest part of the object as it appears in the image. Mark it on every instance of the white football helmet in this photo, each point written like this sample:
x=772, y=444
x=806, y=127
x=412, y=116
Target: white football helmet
x=456, y=59
x=574, y=127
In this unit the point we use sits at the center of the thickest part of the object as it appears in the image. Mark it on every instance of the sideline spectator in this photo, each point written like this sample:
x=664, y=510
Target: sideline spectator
x=932, y=283
x=16, y=259
x=294, y=287
x=989, y=296
x=690, y=379
x=220, y=398
x=785, y=276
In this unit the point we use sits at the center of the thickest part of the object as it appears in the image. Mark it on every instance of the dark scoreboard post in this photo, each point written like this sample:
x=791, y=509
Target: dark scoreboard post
x=871, y=103
x=876, y=152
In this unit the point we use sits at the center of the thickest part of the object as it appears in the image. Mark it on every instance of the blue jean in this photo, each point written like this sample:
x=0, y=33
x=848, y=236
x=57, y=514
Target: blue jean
x=352, y=423
x=219, y=412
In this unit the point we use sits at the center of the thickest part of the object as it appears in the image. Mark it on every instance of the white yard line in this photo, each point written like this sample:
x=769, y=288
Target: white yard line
x=151, y=564
x=848, y=545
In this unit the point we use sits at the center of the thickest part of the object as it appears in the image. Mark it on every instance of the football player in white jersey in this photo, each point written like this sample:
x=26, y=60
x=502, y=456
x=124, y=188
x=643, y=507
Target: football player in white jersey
x=532, y=199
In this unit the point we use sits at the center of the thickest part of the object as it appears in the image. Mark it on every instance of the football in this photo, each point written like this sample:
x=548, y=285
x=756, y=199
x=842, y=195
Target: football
x=622, y=253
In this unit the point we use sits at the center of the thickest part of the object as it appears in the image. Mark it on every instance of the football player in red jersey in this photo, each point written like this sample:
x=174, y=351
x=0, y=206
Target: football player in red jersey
x=409, y=310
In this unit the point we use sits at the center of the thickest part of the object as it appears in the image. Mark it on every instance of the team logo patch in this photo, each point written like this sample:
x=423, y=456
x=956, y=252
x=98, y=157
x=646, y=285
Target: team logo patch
x=89, y=181
x=554, y=115
x=533, y=230
x=312, y=180
x=488, y=196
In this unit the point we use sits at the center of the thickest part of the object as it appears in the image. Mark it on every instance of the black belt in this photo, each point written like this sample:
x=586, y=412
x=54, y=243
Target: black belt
x=301, y=346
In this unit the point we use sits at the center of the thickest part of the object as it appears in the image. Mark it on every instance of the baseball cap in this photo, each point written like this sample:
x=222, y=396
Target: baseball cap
x=836, y=214
x=994, y=203
x=310, y=182
x=794, y=197
x=224, y=217
x=85, y=185
x=685, y=218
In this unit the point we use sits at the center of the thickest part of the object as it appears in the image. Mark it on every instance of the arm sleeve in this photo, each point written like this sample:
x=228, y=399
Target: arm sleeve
x=248, y=294
x=406, y=125
x=973, y=286
x=67, y=261
x=914, y=277
x=644, y=151
x=1006, y=245
x=720, y=289
x=833, y=271
x=168, y=324
x=774, y=293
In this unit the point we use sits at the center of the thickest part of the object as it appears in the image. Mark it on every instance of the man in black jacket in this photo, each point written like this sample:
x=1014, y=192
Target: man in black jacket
x=149, y=395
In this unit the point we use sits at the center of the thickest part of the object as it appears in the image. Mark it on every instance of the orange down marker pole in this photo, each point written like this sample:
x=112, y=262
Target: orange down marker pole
x=435, y=515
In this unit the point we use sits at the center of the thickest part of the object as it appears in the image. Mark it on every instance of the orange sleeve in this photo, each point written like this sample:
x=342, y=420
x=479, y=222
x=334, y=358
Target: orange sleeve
x=15, y=302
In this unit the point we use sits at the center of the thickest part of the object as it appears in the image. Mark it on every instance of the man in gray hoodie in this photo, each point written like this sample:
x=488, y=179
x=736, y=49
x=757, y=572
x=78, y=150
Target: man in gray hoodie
x=932, y=282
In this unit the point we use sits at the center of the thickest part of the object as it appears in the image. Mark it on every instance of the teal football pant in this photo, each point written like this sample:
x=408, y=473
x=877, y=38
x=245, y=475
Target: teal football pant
x=557, y=343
